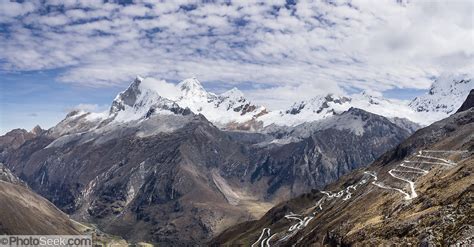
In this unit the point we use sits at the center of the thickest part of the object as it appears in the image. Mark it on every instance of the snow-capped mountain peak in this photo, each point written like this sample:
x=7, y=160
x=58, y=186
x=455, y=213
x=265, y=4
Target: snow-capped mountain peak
x=449, y=83
x=147, y=96
x=233, y=93
x=314, y=109
x=127, y=97
x=319, y=104
x=140, y=100
x=192, y=87
x=445, y=95
x=230, y=107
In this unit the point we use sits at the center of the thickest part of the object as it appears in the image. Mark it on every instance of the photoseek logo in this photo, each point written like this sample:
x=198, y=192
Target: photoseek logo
x=46, y=240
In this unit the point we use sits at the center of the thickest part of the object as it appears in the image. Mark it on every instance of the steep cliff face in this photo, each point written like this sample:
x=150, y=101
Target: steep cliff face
x=419, y=193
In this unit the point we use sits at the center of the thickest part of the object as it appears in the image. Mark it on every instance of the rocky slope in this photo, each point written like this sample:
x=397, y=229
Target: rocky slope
x=185, y=185
x=23, y=212
x=313, y=154
x=151, y=170
x=15, y=138
x=419, y=193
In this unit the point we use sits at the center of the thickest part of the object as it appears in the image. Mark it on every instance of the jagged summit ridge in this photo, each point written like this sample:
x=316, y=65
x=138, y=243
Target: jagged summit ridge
x=325, y=106
x=319, y=104
x=127, y=97
x=146, y=94
x=232, y=110
x=444, y=98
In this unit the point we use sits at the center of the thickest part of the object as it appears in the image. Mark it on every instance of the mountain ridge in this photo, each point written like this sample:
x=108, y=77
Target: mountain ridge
x=419, y=193
x=154, y=178
x=231, y=110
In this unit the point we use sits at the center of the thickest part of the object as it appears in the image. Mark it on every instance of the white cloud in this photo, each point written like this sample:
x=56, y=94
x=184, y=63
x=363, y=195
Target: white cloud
x=292, y=52
x=135, y=10
x=14, y=9
x=85, y=107
x=165, y=89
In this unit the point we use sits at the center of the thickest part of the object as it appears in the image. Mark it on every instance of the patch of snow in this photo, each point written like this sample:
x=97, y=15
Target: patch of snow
x=97, y=116
x=445, y=96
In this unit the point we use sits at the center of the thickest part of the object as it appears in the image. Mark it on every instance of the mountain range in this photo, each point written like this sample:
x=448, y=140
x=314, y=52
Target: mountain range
x=419, y=193
x=232, y=111
x=176, y=165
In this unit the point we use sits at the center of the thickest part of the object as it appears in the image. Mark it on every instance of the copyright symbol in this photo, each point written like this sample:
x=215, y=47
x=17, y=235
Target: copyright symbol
x=3, y=241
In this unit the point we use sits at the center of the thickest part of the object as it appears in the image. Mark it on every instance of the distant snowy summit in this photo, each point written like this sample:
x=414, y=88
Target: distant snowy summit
x=324, y=106
x=147, y=97
x=150, y=96
x=445, y=95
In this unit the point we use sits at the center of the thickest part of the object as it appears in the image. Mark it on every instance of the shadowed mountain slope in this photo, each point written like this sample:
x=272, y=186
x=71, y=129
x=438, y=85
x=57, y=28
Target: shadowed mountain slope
x=23, y=212
x=469, y=103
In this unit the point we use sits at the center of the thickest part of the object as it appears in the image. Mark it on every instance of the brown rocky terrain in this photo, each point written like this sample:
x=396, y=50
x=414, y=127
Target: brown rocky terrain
x=23, y=212
x=420, y=193
x=15, y=138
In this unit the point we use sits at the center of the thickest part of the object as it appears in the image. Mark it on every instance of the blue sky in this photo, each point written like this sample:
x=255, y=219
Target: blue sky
x=59, y=55
x=30, y=98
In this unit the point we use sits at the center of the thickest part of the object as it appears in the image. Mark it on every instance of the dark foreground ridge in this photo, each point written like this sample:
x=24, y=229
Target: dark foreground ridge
x=468, y=103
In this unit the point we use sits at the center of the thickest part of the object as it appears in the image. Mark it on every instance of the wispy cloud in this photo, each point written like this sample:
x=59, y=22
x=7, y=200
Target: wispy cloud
x=88, y=107
x=289, y=49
